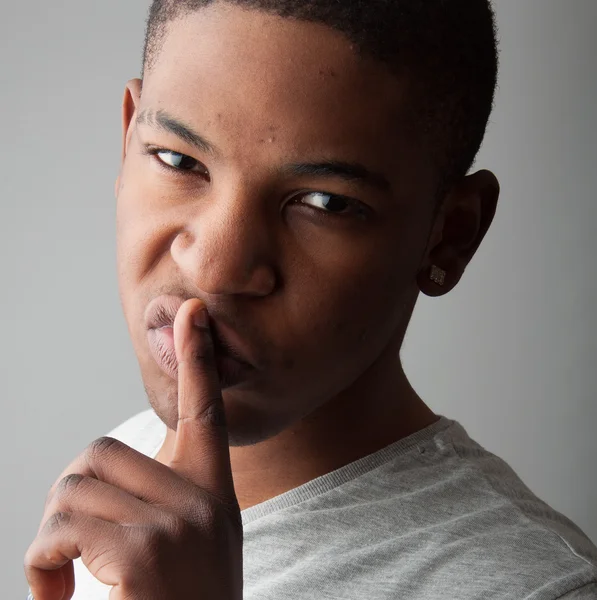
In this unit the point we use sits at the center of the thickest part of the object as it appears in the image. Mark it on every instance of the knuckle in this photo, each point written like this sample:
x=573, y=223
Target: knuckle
x=208, y=515
x=102, y=446
x=57, y=522
x=177, y=527
x=213, y=414
x=69, y=484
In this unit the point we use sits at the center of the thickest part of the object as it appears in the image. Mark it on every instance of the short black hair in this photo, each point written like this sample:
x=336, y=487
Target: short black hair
x=449, y=47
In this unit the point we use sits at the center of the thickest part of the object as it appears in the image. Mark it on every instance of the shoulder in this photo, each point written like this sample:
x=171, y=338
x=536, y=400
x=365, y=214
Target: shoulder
x=143, y=432
x=516, y=532
x=586, y=592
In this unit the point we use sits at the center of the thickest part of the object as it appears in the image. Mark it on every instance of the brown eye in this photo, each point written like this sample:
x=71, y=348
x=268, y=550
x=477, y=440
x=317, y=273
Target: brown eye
x=335, y=204
x=332, y=204
x=180, y=162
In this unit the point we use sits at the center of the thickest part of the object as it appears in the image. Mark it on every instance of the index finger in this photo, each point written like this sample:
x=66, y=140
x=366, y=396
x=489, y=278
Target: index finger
x=201, y=453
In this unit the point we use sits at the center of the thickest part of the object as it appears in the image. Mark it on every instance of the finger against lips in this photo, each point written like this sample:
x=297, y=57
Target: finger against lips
x=201, y=452
x=95, y=498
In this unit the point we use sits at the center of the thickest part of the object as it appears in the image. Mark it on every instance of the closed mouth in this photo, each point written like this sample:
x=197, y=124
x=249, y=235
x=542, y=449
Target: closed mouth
x=162, y=312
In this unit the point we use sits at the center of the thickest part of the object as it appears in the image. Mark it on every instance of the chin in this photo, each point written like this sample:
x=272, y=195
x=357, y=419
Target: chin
x=247, y=425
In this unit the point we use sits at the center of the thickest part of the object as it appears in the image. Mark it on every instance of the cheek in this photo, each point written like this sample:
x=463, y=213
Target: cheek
x=133, y=234
x=125, y=259
x=349, y=312
x=139, y=223
x=340, y=330
x=354, y=307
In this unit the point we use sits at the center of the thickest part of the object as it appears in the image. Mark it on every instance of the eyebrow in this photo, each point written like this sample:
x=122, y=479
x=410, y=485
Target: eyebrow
x=347, y=171
x=164, y=121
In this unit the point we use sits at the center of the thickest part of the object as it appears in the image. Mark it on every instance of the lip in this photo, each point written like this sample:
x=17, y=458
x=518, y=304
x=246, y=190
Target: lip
x=162, y=310
x=161, y=344
x=232, y=364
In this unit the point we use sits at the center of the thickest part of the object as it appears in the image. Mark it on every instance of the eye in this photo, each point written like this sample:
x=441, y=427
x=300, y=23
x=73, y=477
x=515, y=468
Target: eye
x=176, y=161
x=182, y=162
x=332, y=204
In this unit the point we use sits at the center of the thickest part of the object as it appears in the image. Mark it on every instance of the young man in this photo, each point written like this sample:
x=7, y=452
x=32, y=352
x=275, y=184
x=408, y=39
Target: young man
x=298, y=168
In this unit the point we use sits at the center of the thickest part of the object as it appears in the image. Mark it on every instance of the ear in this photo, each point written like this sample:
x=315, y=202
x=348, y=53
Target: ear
x=459, y=228
x=130, y=105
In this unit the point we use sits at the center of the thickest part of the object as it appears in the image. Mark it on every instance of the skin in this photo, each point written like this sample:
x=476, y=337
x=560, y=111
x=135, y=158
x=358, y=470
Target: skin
x=321, y=301
x=148, y=530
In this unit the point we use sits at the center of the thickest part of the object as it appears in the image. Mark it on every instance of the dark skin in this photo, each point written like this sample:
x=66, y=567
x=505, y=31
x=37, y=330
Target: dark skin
x=319, y=293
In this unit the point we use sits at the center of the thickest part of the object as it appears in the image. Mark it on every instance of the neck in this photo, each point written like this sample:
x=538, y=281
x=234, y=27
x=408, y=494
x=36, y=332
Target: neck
x=378, y=409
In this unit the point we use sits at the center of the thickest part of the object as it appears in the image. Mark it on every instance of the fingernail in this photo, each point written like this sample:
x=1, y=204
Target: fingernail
x=201, y=318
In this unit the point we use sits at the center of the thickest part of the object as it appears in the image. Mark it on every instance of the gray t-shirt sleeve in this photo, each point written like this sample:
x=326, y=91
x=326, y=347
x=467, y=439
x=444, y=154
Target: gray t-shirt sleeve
x=586, y=592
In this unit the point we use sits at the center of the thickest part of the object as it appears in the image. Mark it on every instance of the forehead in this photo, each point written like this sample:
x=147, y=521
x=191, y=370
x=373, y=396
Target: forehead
x=253, y=78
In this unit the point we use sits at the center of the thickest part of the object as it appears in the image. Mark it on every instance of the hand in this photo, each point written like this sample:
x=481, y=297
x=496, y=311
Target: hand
x=149, y=530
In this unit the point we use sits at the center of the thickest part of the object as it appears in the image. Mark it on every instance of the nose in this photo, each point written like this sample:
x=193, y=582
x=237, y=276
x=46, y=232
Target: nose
x=226, y=248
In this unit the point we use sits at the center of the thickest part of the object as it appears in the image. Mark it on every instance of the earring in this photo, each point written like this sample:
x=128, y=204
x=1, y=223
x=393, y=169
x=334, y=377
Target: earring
x=437, y=275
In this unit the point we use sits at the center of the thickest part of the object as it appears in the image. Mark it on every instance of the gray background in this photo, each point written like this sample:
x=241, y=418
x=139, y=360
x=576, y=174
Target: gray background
x=510, y=353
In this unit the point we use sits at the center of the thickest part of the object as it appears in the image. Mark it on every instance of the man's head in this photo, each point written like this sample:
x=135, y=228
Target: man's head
x=282, y=162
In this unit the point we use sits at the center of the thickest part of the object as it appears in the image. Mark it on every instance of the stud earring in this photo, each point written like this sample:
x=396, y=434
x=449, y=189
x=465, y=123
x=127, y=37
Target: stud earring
x=437, y=275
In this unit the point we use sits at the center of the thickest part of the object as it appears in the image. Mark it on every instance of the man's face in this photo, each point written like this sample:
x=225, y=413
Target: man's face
x=313, y=272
